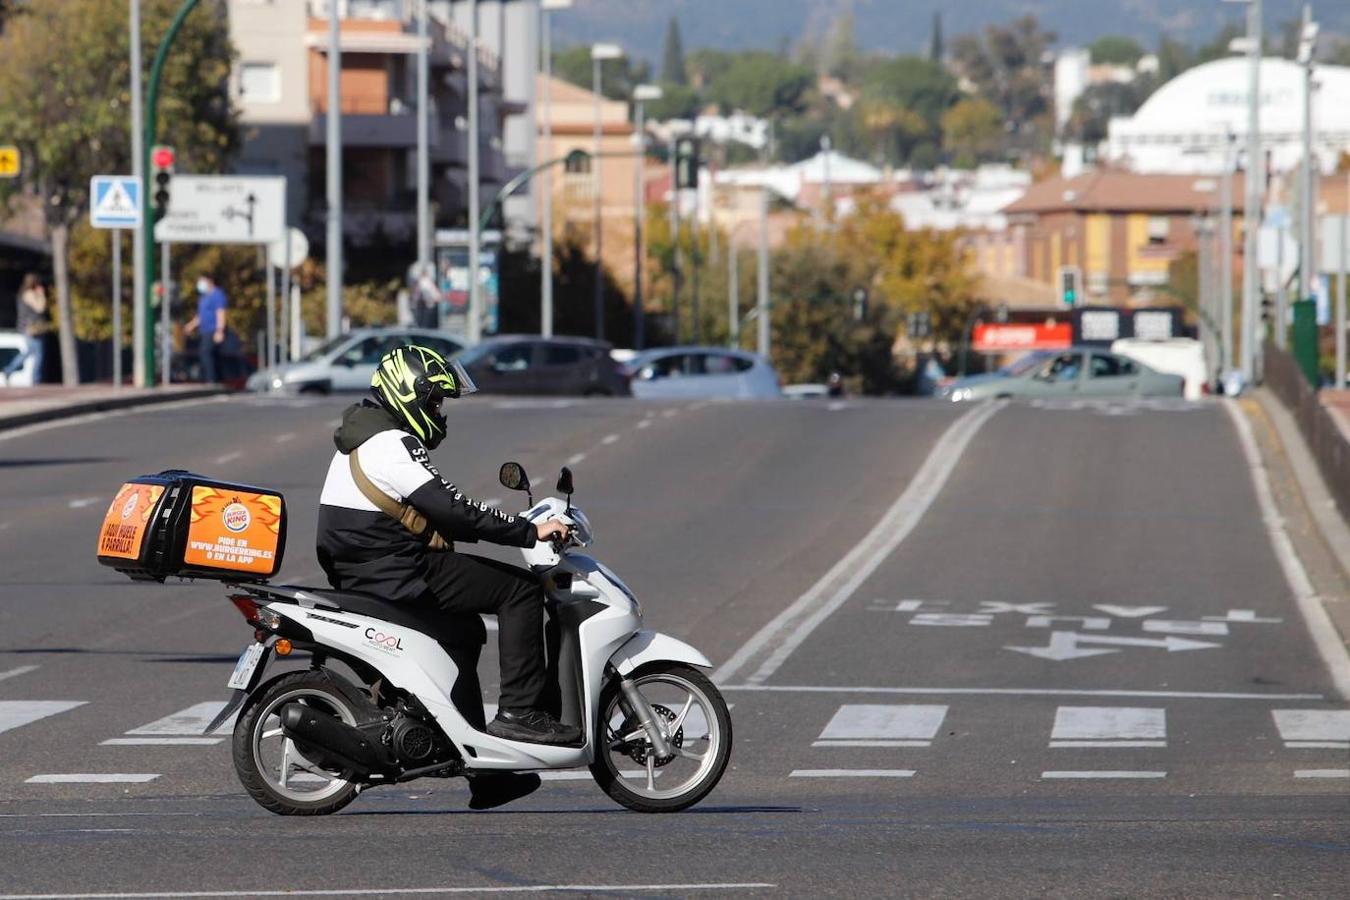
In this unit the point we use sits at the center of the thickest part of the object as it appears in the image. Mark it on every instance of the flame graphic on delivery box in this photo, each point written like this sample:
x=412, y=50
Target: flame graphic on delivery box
x=235, y=530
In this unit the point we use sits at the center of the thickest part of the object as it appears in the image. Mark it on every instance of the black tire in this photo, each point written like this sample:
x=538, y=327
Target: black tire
x=606, y=774
x=327, y=690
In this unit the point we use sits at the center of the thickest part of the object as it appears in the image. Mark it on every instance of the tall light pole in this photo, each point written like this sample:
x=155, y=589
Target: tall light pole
x=599, y=53
x=1226, y=255
x=1307, y=46
x=475, y=329
x=546, y=257
x=334, y=154
x=139, y=376
x=641, y=94
x=423, y=143
x=1255, y=176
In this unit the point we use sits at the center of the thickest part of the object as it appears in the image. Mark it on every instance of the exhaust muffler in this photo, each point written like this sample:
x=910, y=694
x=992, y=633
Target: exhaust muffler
x=342, y=745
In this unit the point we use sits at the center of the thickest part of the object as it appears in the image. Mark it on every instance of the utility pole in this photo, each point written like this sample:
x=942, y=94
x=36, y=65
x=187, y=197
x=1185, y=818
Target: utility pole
x=763, y=298
x=423, y=143
x=1226, y=258
x=334, y=159
x=475, y=325
x=1251, y=208
x=675, y=236
x=599, y=53
x=546, y=260
x=733, y=294
x=641, y=94
x=1307, y=47
x=138, y=289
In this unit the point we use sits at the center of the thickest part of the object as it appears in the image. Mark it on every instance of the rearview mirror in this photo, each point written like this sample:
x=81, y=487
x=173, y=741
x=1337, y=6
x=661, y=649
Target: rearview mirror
x=513, y=477
x=565, y=481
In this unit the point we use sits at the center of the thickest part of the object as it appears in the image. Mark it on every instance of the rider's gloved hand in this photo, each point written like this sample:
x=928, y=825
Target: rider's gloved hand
x=553, y=530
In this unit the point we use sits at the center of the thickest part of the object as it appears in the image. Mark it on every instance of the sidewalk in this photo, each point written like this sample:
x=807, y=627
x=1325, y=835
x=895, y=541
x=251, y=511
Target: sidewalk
x=32, y=405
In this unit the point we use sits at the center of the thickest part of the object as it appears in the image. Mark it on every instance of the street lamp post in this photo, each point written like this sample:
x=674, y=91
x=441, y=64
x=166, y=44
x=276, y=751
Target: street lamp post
x=1251, y=206
x=1226, y=257
x=138, y=171
x=641, y=94
x=423, y=144
x=599, y=53
x=475, y=326
x=1307, y=265
x=334, y=156
x=546, y=257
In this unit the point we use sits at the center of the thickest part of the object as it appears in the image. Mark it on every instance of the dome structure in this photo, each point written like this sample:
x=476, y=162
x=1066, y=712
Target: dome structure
x=1186, y=125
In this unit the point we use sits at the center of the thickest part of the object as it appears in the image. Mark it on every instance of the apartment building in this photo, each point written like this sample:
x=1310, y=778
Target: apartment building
x=281, y=87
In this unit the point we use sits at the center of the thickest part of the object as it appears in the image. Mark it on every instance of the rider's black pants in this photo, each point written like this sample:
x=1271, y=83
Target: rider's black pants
x=472, y=584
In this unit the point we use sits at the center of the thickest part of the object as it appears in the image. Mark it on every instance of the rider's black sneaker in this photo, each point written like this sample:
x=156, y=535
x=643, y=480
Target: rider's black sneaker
x=497, y=788
x=533, y=726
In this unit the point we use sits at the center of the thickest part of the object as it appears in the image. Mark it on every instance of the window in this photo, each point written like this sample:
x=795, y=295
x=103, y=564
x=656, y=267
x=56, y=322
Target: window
x=676, y=365
x=562, y=355
x=1097, y=282
x=577, y=164
x=1158, y=229
x=1063, y=367
x=1105, y=366
x=512, y=358
x=365, y=352
x=725, y=364
x=259, y=82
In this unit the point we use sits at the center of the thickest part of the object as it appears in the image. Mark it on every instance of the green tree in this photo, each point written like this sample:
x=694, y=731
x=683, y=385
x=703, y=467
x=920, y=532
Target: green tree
x=618, y=77
x=1006, y=65
x=672, y=56
x=936, y=50
x=71, y=119
x=677, y=101
x=762, y=84
x=1100, y=103
x=912, y=82
x=1339, y=54
x=1174, y=57
x=972, y=131
x=1115, y=50
x=840, y=53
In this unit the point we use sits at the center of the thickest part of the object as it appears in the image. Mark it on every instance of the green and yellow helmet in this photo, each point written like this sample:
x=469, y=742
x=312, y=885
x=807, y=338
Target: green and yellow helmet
x=412, y=381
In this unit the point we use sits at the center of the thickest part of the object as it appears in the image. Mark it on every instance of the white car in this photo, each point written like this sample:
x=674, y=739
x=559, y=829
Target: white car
x=702, y=372
x=1174, y=356
x=345, y=362
x=12, y=346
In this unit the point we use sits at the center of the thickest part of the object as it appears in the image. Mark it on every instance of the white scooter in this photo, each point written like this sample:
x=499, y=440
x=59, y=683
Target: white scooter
x=406, y=702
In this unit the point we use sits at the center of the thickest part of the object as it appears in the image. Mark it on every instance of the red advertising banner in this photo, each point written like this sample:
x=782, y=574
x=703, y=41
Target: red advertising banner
x=1008, y=337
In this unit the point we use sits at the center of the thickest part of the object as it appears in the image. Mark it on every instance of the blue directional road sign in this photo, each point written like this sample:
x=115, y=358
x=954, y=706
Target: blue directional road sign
x=114, y=201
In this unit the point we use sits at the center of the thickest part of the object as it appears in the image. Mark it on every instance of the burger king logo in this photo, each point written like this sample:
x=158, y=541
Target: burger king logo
x=129, y=507
x=236, y=516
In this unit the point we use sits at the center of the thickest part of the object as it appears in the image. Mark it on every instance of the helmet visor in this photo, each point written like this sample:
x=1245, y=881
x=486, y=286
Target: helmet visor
x=462, y=379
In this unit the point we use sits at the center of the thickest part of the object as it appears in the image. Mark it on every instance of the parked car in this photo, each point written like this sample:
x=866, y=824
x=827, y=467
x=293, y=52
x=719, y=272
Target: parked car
x=705, y=372
x=13, y=346
x=1175, y=356
x=531, y=364
x=345, y=363
x=1077, y=372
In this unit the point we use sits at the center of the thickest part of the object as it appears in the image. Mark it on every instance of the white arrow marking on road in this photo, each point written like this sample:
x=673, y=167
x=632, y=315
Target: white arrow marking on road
x=1065, y=645
x=994, y=607
x=1129, y=612
x=1174, y=626
x=1090, y=623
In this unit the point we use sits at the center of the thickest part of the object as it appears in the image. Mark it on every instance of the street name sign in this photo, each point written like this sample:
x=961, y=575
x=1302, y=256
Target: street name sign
x=114, y=201
x=11, y=161
x=224, y=209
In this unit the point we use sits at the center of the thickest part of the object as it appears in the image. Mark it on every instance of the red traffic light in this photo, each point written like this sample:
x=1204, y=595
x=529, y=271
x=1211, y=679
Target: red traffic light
x=162, y=157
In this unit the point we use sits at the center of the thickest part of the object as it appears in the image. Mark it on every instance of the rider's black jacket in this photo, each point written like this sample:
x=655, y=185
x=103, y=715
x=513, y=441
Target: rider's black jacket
x=361, y=548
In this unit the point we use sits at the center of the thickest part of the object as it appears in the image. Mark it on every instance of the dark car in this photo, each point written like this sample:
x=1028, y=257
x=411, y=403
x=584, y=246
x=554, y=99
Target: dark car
x=530, y=364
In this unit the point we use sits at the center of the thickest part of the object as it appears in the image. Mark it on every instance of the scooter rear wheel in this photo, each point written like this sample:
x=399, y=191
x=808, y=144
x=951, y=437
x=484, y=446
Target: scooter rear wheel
x=698, y=729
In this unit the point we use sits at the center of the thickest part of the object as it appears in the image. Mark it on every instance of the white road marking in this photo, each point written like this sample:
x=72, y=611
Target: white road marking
x=1103, y=774
x=1068, y=645
x=952, y=620
x=534, y=404
x=283, y=438
x=1322, y=773
x=785, y=632
x=847, y=773
x=1129, y=612
x=1317, y=745
x=1087, y=623
x=1171, y=626
x=10, y=434
x=850, y=743
x=17, y=713
x=91, y=778
x=82, y=502
x=912, y=723
x=15, y=673
x=1015, y=692
x=669, y=413
x=190, y=721
x=1109, y=726
x=391, y=891
x=609, y=439
x=162, y=741
x=645, y=423
x=836, y=406
x=575, y=458
x=1313, y=727
x=228, y=457
x=1324, y=634
x=1242, y=615
x=908, y=606
x=994, y=607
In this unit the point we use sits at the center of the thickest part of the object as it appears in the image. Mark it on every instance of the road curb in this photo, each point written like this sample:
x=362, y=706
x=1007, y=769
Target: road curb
x=102, y=404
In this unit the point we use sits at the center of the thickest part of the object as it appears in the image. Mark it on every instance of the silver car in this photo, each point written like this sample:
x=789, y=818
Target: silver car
x=702, y=372
x=345, y=363
x=1076, y=372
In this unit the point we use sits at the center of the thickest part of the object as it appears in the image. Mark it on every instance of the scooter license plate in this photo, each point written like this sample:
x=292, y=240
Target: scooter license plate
x=243, y=670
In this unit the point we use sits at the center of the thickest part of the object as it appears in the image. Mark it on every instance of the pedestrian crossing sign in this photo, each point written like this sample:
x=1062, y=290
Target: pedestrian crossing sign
x=114, y=201
x=10, y=161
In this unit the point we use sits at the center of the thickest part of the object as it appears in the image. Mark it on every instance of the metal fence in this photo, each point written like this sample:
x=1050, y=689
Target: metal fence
x=1328, y=444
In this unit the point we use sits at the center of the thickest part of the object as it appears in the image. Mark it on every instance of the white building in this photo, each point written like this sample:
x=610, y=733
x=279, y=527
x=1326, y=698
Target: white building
x=740, y=127
x=1185, y=126
x=955, y=198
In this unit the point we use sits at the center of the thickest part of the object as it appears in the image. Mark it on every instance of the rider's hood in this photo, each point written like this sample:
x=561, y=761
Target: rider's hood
x=361, y=422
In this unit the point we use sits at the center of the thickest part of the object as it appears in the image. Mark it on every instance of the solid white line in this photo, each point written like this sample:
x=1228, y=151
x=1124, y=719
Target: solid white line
x=15, y=673
x=1013, y=692
x=1115, y=774
x=1054, y=744
x=12, y=433
x=853, y=743
x=91, y=778
x=162, y=741
x=609, y=439
x=228, y=457
x=391, y=891
x=1322, y=773
x=851, y=773
x=1324, y=635
x=1318, y=745
x=785, y=632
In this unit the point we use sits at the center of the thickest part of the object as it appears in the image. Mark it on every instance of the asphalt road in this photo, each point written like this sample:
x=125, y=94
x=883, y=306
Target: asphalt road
x=1000, y=651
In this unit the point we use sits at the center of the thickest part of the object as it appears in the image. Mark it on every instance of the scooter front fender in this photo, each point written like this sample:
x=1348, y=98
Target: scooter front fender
x=650, y=646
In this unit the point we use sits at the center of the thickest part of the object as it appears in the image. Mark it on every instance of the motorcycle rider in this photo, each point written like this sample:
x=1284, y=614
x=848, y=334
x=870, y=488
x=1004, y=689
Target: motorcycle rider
x=364, y=549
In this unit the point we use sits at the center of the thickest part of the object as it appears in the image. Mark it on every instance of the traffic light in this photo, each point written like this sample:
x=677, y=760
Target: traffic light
x=687, y=162
x=1070, y=285
x=161, y=168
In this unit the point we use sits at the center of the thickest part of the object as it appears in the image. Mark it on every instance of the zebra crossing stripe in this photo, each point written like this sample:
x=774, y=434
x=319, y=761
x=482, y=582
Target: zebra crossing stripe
x=879, y=725
x=190, y=722
x=1327, y=729
x=1109, y=726
x=17, y=713
x=14, y=673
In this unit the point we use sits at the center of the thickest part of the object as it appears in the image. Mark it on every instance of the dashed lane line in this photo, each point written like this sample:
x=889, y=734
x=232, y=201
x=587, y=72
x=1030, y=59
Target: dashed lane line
x=608, y=439
x=82, y=502
x=1322, y=773
x=777, y=640
x=851, y=773
x=575, y=459
x=228, y=457
x=283, y=438
x=15, y=673
x=673, y=887
x=92, y=778
x=1109, y=774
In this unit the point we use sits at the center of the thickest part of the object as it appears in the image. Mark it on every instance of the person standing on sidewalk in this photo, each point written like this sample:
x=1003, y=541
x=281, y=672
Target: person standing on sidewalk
x=209, y=323
x=33, y=323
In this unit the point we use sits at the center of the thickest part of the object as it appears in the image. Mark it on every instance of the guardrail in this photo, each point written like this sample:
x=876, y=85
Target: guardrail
x=1325, y=439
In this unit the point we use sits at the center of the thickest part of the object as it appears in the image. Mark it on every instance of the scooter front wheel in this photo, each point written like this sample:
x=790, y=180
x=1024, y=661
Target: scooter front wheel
x=694, y=718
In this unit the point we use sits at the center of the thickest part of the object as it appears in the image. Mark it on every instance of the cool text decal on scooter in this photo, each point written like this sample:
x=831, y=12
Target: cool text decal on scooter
x=390, y=643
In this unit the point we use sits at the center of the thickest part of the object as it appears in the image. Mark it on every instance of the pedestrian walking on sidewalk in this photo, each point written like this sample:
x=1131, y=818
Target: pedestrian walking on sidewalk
x=33, y=323
x=209, y=323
